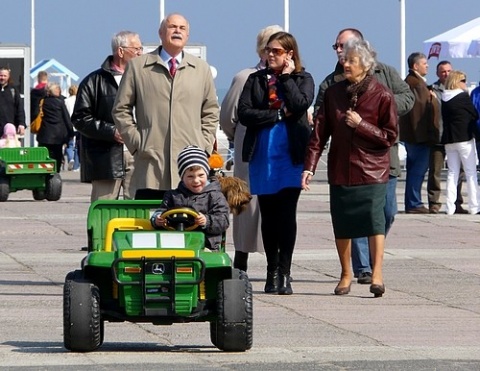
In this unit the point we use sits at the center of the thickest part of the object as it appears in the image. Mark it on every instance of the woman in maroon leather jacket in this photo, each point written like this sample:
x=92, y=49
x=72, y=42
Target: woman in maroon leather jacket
x=360, y=116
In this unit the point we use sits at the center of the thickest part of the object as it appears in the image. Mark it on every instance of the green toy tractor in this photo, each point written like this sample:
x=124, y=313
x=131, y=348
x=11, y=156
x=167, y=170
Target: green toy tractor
x=137, y=274
x=29, y=168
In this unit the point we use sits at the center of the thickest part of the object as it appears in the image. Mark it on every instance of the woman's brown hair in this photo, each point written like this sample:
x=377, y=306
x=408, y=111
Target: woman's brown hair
x=288, y=42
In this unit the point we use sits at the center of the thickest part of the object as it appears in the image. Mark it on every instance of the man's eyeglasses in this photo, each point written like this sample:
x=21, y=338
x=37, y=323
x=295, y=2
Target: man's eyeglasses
x=336, y=46
x=275, y=51
x=137, y=49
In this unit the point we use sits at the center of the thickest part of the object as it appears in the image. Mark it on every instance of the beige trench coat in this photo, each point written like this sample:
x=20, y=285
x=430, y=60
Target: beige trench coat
x=247, y=236
x=158, y=116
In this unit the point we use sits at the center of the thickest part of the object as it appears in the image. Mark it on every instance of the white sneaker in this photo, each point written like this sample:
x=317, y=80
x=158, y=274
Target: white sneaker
x=70, y=165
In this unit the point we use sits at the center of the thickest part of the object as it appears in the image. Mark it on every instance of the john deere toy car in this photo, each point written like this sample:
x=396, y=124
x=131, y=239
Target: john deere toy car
x=135, y=273
x=29, y=168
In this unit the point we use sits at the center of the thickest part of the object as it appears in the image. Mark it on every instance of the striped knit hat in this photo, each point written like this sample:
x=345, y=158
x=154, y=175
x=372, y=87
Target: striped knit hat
x=192, y=156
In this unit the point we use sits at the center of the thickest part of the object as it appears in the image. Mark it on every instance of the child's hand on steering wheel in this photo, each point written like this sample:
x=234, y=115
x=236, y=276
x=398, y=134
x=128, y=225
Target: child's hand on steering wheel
x=201, y=220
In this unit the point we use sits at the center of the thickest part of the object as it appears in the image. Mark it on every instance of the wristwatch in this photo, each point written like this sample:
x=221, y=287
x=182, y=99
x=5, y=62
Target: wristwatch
x=280, y=115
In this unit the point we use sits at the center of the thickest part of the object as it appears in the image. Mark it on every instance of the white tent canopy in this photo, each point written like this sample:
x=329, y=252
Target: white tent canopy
x=459, y=42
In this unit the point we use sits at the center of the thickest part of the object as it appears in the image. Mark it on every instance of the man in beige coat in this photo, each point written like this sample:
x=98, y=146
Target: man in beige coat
x=247, y=236
x=174, y=106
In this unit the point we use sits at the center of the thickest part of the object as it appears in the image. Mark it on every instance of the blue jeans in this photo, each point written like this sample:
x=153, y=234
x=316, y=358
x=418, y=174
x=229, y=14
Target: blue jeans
x=71, y=150
x=360, y=251
x=418, y=156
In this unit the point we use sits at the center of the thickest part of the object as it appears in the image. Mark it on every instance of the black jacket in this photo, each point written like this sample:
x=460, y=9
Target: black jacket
x=56, y=125
x=254, y=113
x=11, y=107
x=101, y=157
x=459, y=117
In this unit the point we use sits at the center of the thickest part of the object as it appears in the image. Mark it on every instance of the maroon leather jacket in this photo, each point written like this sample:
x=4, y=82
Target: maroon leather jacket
x=356, y=156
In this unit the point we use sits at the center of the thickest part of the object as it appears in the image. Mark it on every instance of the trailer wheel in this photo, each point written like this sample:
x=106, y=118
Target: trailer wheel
x=82, y=323
x=53, y=189
x=4, y=189
x=233, y=329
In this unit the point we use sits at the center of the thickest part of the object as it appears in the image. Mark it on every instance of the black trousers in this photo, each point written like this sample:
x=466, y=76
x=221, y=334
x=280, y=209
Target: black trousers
x=279, y=227
x=55, y=151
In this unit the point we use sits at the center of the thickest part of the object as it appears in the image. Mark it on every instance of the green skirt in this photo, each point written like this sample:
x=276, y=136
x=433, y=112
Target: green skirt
x=358, y=211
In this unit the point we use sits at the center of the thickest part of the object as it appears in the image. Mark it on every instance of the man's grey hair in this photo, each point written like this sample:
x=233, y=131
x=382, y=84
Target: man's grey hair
x=364, y=51
x=121, y=39
x=415, y=58
x=264, y=35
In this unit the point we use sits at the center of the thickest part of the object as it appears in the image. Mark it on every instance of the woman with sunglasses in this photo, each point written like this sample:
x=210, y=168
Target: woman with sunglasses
x=273, y=107
x=459, y=123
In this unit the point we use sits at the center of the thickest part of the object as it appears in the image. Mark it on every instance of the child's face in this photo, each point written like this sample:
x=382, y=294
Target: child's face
x=195, y=180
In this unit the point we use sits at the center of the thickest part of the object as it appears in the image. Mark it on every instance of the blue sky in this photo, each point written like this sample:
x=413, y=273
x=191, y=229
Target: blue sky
x=78, y=33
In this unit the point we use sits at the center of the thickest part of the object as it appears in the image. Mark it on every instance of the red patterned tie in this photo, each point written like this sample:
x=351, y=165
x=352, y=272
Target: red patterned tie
x=173, y=67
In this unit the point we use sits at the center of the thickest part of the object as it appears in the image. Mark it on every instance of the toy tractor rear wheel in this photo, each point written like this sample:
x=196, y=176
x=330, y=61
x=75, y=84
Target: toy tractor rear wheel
x=38, y=195
x=82, y=323
x=53, y=187
x=4, y=188
x=233, y=329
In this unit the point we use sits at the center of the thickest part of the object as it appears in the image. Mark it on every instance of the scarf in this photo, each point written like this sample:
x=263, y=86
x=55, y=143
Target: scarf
x=275, y=99
x=355, y=91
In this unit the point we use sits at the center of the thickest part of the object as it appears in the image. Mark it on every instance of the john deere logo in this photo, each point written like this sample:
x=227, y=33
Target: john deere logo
x=158, y=268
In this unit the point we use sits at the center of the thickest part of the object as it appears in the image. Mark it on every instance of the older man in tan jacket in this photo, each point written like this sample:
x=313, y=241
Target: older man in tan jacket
x=166, y=101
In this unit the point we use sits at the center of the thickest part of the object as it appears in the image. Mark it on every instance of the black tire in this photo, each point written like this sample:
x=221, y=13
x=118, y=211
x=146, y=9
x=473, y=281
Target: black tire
x=53, y=187
x=233, y=329
x=4, y=189
x=38, y=195
x=82, y=323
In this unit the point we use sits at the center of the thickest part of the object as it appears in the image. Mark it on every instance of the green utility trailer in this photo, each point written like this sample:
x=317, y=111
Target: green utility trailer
x=135, y=273
x=29, y=168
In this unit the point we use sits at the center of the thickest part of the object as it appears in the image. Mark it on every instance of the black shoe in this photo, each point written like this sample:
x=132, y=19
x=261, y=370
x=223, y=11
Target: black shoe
x=284, y=286
x=460, y=210
x=240, y=261
x=271, y=285
x=365, y=278
x=377, y=290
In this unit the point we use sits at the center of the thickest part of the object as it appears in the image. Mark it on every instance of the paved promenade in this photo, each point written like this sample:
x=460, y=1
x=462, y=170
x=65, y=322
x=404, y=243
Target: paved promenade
x=428, y=319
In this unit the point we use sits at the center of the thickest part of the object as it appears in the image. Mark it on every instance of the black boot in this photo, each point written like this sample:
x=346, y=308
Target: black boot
x=271, y=285
x=284, y=286
x=240, y=260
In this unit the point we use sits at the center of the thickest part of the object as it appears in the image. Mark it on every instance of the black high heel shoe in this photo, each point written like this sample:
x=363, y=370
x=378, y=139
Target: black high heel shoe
x=377, y=290
x=271, y=284
x=284, y=286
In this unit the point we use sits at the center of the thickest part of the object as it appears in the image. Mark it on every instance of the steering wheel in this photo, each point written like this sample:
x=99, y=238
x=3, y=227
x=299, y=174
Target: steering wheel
x=180, y=219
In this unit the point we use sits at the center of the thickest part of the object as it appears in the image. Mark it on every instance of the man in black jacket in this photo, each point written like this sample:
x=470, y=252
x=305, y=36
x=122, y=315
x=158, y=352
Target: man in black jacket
x=104, y=160
x=11, y=106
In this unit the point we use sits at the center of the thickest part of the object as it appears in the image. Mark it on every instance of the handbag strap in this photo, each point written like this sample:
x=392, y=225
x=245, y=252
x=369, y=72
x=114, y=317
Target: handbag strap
x=40, y=107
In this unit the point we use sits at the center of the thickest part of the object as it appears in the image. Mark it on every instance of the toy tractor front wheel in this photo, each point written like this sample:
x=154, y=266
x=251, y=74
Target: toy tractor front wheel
x=4, y=188
x=53, y=187
x=82, y=323
x=233, y=329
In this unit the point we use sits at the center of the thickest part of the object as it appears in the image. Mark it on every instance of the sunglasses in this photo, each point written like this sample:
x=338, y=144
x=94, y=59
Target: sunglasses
x=336, y=46
x=275, y=51
x=463, y=80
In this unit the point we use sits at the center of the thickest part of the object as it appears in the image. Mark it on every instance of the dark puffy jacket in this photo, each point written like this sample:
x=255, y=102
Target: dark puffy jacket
x=357, y=156
x=254, y=113
x=56, y=125
x=211, y=202
x=101, y=157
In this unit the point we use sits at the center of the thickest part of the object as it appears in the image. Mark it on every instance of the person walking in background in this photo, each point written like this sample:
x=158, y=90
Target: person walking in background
x=247, y=236
x=273, y=107
x=197, y=192
x=459, y=125
x=174, y=98
x=475, y=96
x=38, y=93
x=437, y=151
x=56, y=129
x=360, y=116
x=9, y=138
x=404, y=100
x=418, y=130
x=72, y=148
x=11, y=106
x=103, y=159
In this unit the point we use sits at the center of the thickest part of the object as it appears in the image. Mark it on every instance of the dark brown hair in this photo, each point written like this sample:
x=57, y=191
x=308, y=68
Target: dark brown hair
x=288, y=42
